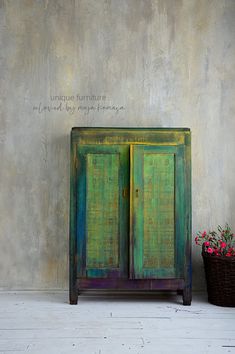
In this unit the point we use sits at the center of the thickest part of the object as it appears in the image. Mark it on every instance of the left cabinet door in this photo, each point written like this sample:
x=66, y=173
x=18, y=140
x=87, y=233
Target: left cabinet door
x=102, y=194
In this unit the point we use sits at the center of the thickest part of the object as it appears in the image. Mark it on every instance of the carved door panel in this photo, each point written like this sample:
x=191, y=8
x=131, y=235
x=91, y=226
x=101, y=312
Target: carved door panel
x=102, y=210
x=157, y=210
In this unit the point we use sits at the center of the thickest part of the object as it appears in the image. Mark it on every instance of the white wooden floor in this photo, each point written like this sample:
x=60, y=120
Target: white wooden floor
x=43, y=322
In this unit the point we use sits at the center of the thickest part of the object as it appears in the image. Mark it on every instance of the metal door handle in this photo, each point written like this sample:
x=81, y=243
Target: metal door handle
x=124, y=192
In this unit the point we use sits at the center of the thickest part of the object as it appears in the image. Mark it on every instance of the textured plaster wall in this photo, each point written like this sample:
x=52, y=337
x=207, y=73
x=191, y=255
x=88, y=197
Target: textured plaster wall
x=161, y=63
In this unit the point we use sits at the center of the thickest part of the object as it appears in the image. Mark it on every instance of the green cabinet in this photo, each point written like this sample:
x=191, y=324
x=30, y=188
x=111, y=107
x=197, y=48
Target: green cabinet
x=130, y=210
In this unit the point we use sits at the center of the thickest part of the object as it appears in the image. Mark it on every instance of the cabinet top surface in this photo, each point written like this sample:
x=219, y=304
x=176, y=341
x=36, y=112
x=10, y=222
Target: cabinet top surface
x=103, y=135
x=130, y=128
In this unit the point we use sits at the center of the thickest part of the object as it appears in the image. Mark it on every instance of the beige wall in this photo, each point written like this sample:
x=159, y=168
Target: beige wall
x=160, y=63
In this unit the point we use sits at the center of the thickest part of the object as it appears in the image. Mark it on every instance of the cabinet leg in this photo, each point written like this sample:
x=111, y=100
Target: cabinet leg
x=187, y=296
x=73, y=297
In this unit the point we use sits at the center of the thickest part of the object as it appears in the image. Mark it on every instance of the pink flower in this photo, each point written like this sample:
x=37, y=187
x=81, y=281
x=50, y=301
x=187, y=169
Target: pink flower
x=196, y=240
x=207, y=243
x=204, y=233
x=223, y=245
x=228, y=254
x=210, y=250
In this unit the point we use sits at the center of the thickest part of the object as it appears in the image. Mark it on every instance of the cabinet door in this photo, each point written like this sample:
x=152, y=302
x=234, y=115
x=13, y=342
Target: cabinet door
x=102, y=210
x=157, y=211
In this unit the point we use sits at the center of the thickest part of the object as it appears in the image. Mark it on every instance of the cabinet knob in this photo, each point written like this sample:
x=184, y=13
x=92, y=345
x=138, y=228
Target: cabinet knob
x=137, y=193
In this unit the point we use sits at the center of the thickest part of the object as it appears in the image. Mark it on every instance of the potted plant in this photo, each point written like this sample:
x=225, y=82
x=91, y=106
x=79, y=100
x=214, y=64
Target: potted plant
x=218, y=252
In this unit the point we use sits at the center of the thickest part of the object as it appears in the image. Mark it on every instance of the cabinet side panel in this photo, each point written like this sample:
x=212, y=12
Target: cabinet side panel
x=72, y=228
x=102, y=210
x=159, y=233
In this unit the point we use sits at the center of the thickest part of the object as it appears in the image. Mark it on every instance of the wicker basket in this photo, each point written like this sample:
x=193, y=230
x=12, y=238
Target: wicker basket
x=220, y=278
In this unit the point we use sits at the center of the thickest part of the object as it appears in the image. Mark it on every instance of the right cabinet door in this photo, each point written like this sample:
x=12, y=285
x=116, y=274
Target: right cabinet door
x=157, y=211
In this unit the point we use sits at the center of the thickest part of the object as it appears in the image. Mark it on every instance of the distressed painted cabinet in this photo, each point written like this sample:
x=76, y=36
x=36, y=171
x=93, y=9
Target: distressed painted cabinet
x=130, y=210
